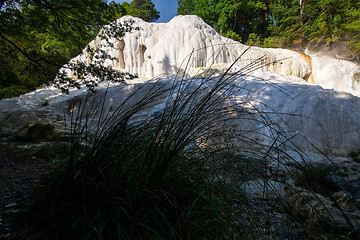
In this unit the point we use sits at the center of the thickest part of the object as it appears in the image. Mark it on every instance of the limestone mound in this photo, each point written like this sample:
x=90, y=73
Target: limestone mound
x=187, y=42
x=283, y=107
x=303, y=116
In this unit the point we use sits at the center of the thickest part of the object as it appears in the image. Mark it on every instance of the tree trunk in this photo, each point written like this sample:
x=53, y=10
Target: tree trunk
x=302, y=4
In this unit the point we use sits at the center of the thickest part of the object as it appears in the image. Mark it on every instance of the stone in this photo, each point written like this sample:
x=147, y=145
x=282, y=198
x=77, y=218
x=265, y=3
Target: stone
x=276, y=106
x=321, y=213
x=187, y=43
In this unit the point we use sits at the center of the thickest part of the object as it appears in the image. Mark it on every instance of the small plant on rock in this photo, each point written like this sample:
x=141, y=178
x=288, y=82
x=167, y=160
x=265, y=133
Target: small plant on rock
x=355, y=155
x=316, y=177
x=40, y=131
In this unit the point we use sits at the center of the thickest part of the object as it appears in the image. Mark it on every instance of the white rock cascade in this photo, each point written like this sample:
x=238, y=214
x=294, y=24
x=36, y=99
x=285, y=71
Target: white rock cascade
x=309, y=117
x=337, y=74
x=305, y=116
x=188, y=43
x=164, y=48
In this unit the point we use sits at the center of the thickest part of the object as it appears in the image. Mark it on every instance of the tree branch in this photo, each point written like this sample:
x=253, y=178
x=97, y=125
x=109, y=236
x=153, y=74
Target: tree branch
x=32, y=60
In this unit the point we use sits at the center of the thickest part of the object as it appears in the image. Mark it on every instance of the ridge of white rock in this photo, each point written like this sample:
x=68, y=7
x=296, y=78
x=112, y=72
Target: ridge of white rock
x=306, y=116
x=337, y=74
x=164, y=48
x=187, y=43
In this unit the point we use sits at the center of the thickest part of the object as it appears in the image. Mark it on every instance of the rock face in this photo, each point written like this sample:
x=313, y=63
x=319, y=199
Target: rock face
x=187, y=43
x=336, y=74
x=282, y=107
x=335, y=213
x=274, y=107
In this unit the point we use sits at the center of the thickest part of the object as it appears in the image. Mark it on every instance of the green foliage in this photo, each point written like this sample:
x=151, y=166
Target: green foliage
x=113, y=12
x=352, y=25
x=40, y=131
x=185, y=7
x=144, y=9
x=316, y=177
x=285, y=21
x=253, y=40
x=242, y=17
x=233, y=35
x=12, y=91
x=270, y=42
x=39, y=37
x=324, y=21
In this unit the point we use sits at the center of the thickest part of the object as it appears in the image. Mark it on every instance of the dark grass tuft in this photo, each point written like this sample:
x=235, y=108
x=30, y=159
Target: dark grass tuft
x=177, y=174
x=317, y=177
x=143, y=180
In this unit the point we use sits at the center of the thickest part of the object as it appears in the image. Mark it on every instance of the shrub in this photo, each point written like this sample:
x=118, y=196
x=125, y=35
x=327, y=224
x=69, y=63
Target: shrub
x=316, y=177
x=271, y=42
x=253, y=40
x=40, y=131
x=12, y=91
x=355, y=155
x=233, y=35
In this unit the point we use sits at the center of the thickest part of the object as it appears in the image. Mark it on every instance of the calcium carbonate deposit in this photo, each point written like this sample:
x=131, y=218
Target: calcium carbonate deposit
x=286, y=86
x=187, y=42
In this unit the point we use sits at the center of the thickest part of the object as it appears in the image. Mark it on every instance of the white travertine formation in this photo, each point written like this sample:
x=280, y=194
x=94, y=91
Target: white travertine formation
x=305, y=115
x=336, y=74
x=188, y=43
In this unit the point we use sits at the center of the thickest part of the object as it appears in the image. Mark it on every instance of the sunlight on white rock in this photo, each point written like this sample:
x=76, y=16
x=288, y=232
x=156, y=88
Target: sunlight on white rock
x=188, y=43
x=275, y=83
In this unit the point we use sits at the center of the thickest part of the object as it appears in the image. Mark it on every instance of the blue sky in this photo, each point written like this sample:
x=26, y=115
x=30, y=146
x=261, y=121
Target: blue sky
x=167, y=8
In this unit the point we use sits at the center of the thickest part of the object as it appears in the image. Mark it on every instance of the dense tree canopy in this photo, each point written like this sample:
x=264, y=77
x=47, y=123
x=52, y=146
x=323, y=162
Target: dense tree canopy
x=144, y=9
x=240, y=16
x=284, y=20
x=38, y=36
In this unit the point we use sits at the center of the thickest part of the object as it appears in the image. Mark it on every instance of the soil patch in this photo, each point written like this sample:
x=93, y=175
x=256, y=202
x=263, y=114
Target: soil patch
x=19, y=176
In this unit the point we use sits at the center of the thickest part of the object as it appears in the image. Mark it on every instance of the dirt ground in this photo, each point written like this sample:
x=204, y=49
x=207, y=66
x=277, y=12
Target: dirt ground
x=21, y=171
x=19, y=175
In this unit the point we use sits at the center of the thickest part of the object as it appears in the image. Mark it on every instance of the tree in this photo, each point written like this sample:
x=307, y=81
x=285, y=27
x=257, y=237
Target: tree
x=239, y=16
x=352, y=26
x=244, y=17
x=185, y=7
x=113, y=12
x=37, y=37
x=143, y=9
x=286, y=20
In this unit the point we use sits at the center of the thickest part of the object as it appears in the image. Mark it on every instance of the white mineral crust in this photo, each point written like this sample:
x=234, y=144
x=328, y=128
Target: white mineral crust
x=187, y=43
x=279, y=85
